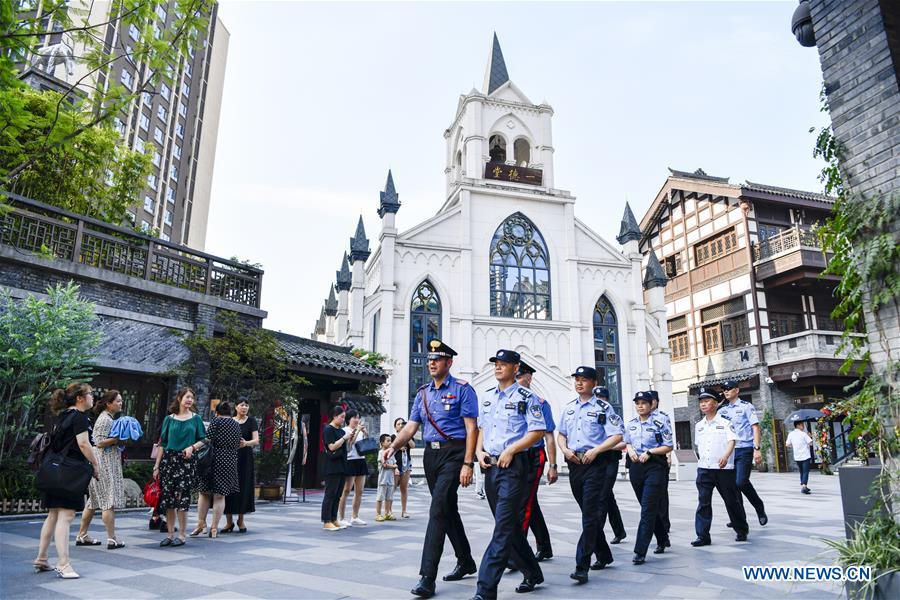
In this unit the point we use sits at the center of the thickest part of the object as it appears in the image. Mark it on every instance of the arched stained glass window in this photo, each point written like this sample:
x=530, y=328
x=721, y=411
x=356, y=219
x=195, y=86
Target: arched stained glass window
x=519, y=270
x=606, y=351
x=425, y=325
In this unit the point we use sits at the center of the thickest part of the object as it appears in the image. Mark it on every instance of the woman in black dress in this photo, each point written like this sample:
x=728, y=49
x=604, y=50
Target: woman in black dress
x=335, y=441
x=242, y=502
x=225, y=436
x=72, y=430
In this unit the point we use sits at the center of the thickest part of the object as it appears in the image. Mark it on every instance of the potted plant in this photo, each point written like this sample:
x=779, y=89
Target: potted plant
x=269, y=465
x=873, y=544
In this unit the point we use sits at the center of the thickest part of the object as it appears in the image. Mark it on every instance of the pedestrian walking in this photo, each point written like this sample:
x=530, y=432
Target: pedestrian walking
x=613, y=512
x=334, y=440
x=648, y=441
x=543, y=456
x=510, y=423
x=243, y=501
x=715, y=439
x=70, y=437
x=107, y=492
x=183, y=434
x=356, y=469
x=447, y=410
x=661, y=531
x=224, y=438
x=589, y=431
x=801, y=443
x=387, y=473
x=742, y=415
x=404, y=466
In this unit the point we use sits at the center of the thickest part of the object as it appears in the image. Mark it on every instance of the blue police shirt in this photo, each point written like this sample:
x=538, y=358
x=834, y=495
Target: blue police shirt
x=588, y=424
x=649, y=434
x=658, y=414
x=548, y=419
x=743, y=417
x=506, y=416
x=448, y=405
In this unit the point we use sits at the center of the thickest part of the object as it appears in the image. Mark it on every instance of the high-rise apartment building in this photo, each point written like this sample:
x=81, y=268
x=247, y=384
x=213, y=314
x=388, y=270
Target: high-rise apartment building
x=175, y=123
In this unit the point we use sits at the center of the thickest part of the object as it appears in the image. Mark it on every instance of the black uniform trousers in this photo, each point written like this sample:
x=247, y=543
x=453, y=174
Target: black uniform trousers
x=533, y=517
x=334, y=485
x=442, y=469
x=743, y=463
x=723, y=481
x=507, y=491
x=615, y=517
x=592, y=486
x=663, y=525
x=647, y=480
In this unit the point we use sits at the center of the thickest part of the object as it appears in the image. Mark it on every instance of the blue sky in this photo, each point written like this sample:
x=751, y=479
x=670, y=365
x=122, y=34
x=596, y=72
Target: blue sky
x=322, y=98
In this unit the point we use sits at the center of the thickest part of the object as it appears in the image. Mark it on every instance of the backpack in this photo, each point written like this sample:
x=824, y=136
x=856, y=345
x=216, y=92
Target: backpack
x=37, y=450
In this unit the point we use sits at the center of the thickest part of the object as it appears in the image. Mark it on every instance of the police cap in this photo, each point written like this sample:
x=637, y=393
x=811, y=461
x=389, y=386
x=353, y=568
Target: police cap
x=589, y=372
x=438, y=349
x=601, y=392
x=729, y=384
x=711, y=395
x=507, y=356
x=524, y=369
x=643, y=397
x=654, y=394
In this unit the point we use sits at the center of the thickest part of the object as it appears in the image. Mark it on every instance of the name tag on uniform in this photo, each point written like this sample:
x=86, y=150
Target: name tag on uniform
x=720, y=427
x=447, y=406
x=592, y=413
x=509, y=405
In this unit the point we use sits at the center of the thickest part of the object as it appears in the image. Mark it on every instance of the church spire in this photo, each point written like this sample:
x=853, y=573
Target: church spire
x=359, y=243
x=343, y=277
x=496, y=74
x=629, y=229
x=390, y=199
x=654, y=276
x=331, y=303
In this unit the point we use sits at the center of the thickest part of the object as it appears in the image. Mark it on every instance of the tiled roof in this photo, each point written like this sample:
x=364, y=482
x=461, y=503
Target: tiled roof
x=698, y=174
x=303, y=352
x=364, y=405
x=780, y=191
x=720, y=380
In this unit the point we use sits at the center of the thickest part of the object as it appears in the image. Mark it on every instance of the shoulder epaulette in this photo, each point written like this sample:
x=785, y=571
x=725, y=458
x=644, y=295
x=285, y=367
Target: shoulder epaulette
x=525, y=392
x=603, y=404
x=462, y=382
x=491, y=389
x=422, y=387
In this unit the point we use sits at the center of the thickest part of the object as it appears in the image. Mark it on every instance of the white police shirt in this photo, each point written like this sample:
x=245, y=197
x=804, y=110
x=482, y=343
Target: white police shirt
x=712, y=438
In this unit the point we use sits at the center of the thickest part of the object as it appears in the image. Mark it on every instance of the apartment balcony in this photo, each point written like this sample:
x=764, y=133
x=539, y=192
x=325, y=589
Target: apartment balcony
x=806, y=358
x=793, y=255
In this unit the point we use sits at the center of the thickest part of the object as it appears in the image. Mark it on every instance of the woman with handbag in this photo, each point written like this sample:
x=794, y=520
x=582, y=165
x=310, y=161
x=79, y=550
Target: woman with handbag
x=182, y=435
x=71, y=454
x=357, y=469
x=224, y=437
x=242, y=502
x=334, y=442
x=108, y=492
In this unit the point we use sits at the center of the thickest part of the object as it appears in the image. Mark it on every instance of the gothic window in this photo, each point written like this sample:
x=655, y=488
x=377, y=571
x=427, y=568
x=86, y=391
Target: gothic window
x=425, y=325
x=497, y=148
x=606, y=351
x=519, y=271
x=522, y=150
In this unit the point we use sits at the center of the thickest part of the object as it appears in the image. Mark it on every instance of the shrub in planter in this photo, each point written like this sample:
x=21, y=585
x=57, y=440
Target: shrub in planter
x=139, y=471
x=269, y=465
x=876, y=544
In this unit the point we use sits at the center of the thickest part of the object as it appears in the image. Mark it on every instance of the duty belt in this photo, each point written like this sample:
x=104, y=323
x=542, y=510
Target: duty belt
x=447, y=444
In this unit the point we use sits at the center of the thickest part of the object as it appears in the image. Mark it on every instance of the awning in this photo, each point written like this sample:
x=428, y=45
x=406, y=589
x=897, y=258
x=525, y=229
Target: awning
x=746, y=381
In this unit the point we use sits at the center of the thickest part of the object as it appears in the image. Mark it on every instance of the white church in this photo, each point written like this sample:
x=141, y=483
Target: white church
x=503, y=263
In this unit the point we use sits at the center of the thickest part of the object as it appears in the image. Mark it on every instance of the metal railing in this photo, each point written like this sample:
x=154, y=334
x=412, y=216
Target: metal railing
x=46, y=230
x=789, y=239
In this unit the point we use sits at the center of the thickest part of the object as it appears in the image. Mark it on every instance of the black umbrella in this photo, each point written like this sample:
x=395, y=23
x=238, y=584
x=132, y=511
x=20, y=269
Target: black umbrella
x=806, y=414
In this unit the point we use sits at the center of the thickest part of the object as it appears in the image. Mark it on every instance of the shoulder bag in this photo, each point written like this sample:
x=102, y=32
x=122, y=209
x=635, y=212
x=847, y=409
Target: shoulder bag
x=62, y=475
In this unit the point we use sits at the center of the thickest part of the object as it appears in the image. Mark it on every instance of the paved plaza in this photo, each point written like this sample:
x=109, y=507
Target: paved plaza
x=285, y=554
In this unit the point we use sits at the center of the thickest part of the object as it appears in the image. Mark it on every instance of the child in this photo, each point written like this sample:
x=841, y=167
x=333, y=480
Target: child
x=386, y=473
x=802, y=444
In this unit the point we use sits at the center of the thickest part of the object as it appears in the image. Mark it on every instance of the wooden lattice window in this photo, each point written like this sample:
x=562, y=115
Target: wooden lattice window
x=678, y=345
x=715, y=247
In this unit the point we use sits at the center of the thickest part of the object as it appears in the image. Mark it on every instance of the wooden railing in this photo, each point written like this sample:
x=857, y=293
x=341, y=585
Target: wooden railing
x=36, y=227
x=789, y=239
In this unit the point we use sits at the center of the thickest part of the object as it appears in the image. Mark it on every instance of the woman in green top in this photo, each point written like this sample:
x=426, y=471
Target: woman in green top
x=182, y=435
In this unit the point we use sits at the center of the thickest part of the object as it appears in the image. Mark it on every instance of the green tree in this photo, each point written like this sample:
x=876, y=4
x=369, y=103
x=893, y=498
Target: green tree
x=44, y=345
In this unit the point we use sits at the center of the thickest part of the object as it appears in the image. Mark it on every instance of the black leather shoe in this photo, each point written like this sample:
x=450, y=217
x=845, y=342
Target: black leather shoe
x=731, y=525
x=424, y=589
x=511, y=568
x=478, y=597
x=580, y=575
x=701, y=542
x=763, y=519
x=529, y=583
x=638, y=559
x=599, y=565
x=618, y=540
x=660, y=549
x=542, y=555
x=741, y=537
x=460, y=571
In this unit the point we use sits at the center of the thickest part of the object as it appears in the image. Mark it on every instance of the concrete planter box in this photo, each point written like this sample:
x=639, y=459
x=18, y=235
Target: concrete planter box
x=856, y=483
x=887, y=587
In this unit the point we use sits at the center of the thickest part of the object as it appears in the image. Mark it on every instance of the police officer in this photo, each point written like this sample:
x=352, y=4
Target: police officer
x=648, y=441
x=589, y=430
x=510, y=422
x=447, y=410
x=544, y=451
x=663, y=525
x=743, y=417
x=715, y=439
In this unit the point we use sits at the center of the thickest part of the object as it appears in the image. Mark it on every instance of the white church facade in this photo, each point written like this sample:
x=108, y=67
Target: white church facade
x=504, y=263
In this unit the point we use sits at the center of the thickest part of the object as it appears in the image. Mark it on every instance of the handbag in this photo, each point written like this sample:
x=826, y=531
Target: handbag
x=366, y=446
x=62, y=475
x=155, y=452
x=204, y=461
x=152, y=493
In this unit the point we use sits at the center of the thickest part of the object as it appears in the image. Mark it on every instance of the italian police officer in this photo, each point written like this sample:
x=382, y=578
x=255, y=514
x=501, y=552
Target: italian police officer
x=714, y=439
x=647, y=441
x=742, y=416
x=510, y=422
x=589, y=430
x=544, y=451
x=664, y=525
x=447, y=410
